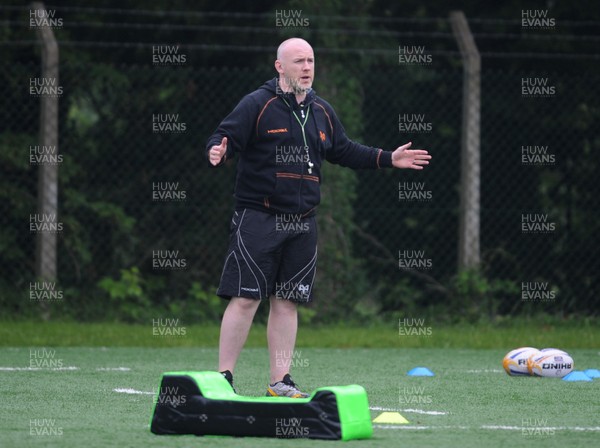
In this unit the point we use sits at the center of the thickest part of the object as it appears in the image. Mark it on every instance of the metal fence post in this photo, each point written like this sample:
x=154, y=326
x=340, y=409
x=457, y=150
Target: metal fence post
x=469, y=226
x=47, y=194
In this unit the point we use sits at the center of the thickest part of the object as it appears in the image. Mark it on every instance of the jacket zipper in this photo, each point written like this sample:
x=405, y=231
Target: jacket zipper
x=302, y=124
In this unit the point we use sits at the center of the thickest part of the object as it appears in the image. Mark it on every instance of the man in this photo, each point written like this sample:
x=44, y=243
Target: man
x=282, y=132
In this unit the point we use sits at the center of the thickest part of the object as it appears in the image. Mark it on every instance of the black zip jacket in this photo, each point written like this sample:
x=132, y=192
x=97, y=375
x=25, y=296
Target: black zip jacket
x=276, y=153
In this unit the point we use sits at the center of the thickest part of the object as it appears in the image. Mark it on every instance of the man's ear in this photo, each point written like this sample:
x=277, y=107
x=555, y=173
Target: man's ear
x=278, y=66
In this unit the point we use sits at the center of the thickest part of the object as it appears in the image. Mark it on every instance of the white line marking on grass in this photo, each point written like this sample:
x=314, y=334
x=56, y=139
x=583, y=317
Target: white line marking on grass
x=485, y=371
x=113, y=369
x=36, y=369
x=67, y=368
x=133, y=392
x=494, y=427
x=419, y=427
x=415, y=411
x=419, y=411
x=554, y=428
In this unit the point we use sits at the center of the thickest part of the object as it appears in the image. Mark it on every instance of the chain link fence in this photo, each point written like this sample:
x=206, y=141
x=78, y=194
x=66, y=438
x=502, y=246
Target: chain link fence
x=143, y=221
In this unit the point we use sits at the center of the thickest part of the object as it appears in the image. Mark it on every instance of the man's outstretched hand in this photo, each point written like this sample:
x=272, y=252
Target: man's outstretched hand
x=216, y=153
x=414, y=159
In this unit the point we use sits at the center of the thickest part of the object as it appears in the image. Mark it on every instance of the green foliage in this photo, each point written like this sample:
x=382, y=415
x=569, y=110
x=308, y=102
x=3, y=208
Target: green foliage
x=126, y=294
x=306, y=315
x=133, y=299
x=473, y=296
x=340, y=281
x=402, y=297
x=128, y=286
x=202, y=305
x=470, y=296
x=112, y=158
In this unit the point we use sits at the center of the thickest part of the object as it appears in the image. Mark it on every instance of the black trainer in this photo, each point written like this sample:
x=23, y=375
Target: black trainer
x=229, y=377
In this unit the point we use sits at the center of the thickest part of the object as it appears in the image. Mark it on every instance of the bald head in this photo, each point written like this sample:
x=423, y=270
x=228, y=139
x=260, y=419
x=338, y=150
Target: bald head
x=292, y=43
x=295, y=64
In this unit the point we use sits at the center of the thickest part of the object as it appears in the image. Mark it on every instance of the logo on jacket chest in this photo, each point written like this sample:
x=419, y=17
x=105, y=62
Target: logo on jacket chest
x=277, y=131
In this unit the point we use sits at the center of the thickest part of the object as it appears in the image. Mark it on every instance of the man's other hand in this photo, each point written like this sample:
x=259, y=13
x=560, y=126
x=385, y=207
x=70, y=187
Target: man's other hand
x=414, y=159
x=216, y=153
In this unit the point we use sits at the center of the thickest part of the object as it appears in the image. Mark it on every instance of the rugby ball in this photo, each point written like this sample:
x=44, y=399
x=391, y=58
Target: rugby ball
x=544, y=350
x=515, y=362
x=553, y=363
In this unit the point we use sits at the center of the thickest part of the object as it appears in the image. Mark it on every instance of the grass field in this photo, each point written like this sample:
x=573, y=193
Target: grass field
x=72, y=399
x=537, y=333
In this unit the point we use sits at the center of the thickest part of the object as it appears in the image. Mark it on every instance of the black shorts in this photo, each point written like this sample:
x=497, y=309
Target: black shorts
x=270, y=255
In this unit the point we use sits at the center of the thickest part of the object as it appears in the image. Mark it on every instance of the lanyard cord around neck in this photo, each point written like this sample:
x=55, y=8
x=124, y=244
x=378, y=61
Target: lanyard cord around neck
x=302, y=124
